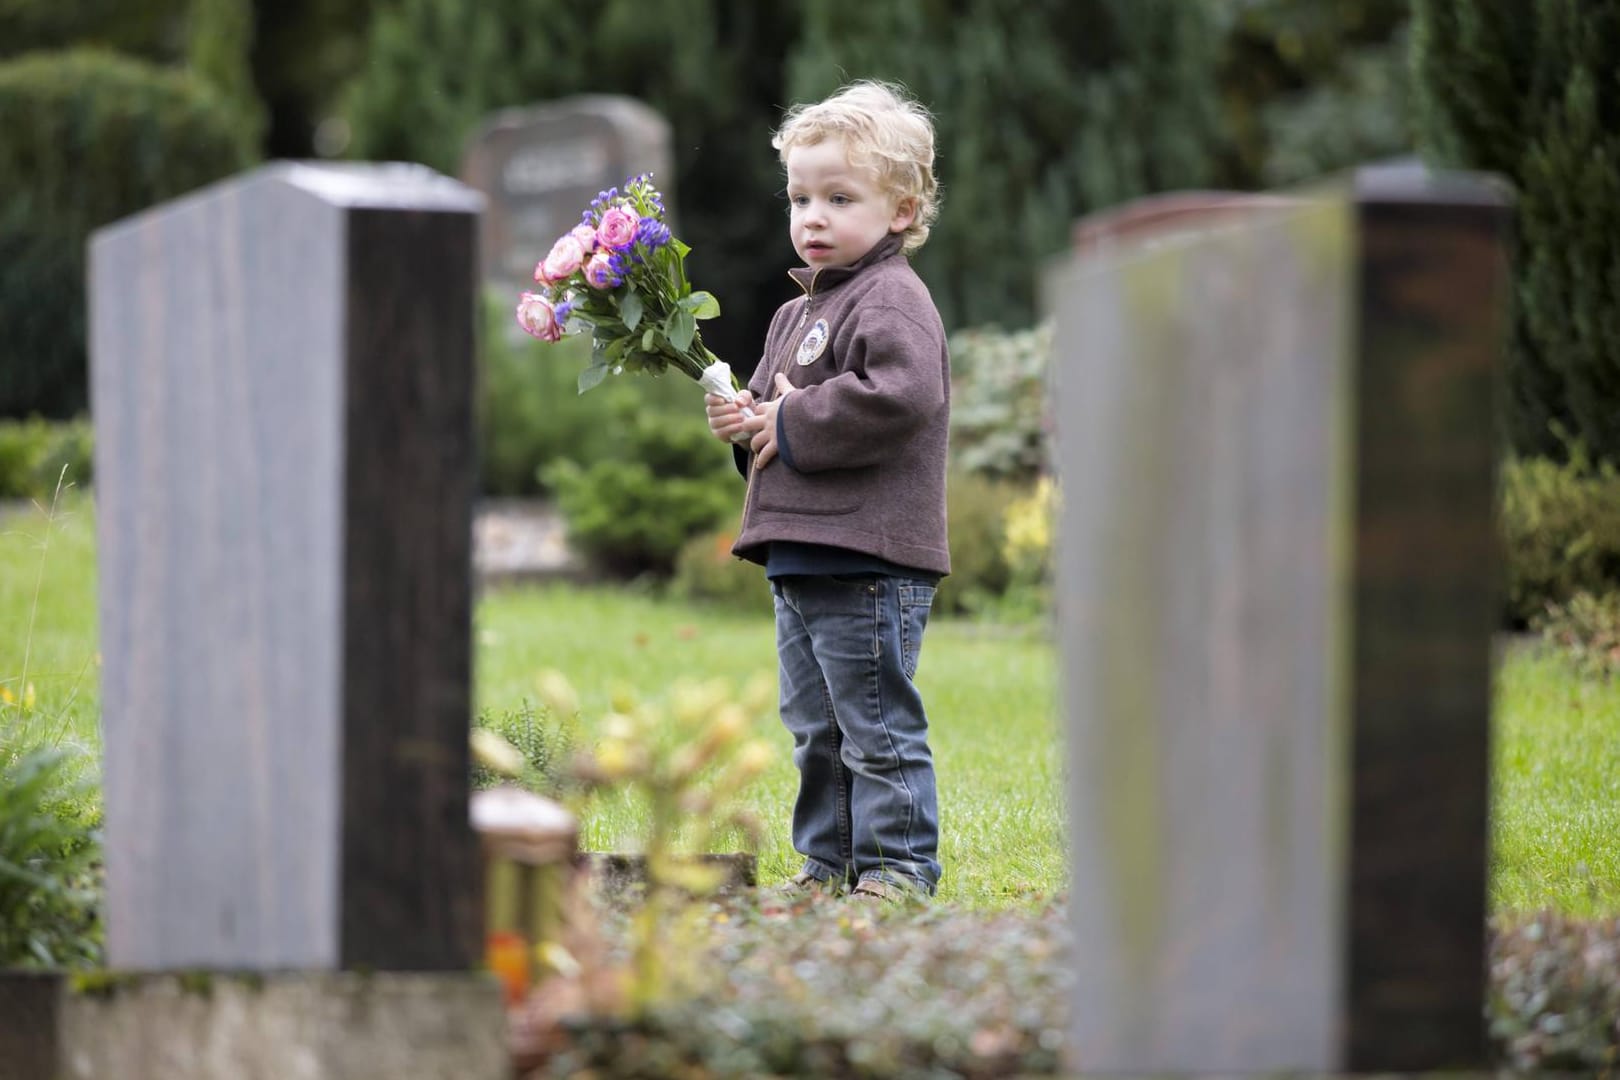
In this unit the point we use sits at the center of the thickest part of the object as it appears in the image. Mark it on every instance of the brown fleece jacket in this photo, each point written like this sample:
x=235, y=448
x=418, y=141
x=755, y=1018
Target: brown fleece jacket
x=861, y=443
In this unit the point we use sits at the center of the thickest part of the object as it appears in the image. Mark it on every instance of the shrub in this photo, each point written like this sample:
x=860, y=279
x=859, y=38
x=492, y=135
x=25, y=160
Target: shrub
x=90, y=138
x=49, y=862
x=999, y=418
x=835, y=990
x=544, y=741
x=533, y=414
x=795, y=993
x=1560, y=527
x=1554, y=996
x=34, y=451
x=666, y=481
x=978, y=537
x=154, y=29
x=1030, y=531
x=528, y=407
x=707, y=572
x=1587, y=628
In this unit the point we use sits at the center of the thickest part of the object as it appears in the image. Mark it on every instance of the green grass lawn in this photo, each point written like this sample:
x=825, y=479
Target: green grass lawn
x=990, y=693
x=1556, y=811
x=48, y=648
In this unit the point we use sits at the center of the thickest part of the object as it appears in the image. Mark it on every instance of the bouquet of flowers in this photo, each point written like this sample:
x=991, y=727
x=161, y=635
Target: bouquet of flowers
x=621, y=273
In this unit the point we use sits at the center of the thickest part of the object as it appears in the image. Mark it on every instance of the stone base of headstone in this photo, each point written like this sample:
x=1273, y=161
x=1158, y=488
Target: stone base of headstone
x=618, y=878
x=289, y=1026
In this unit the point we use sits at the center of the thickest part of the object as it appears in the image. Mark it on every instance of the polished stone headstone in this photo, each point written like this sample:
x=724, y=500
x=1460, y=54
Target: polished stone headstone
x=1276, y=596
x=540, y=167
x=282, y=380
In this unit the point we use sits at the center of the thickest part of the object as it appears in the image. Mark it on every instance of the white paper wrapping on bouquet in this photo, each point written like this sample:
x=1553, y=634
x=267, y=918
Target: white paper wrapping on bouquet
x=716, y=379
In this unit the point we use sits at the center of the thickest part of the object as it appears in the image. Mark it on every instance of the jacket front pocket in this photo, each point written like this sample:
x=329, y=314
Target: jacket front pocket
x=826, y=494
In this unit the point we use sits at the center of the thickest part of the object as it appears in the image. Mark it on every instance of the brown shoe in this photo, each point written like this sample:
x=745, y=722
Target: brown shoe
x=871, y=888
x=806, y=884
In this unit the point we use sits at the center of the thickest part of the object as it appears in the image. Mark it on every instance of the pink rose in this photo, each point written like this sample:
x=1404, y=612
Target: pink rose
x=618, y=228
x=586, y=237
x=538, y=317
x=566, y=256
x=600, y=271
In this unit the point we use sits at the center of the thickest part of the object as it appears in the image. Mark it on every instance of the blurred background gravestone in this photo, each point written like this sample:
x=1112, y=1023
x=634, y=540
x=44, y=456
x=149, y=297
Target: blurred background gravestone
x=540, y=166
x=282, y=375
x=1277, y=587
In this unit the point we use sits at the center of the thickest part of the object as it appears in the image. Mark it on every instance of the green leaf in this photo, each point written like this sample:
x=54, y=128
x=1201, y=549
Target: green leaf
x=630, y=310
x=648, y=338
x=680, y=249
x=680, y=329
x=591, y=376
x=702, y=305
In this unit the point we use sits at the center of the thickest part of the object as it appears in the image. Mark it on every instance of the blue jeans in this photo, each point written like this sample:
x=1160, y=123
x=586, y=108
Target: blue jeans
x=867, y=805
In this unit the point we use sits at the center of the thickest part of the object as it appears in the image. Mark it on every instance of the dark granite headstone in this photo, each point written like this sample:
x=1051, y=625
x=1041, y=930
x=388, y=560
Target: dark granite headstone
x=30, y=1019
x=282, y=381
x=1276, y=596
x=541, y=166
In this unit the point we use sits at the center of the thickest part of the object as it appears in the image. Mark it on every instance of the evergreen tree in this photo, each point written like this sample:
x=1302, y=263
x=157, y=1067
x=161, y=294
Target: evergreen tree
x=1531, y=92
x=1307, y=87
x=1040, y=111
x=219, y=44
x=1153, y=122
x=304, y=53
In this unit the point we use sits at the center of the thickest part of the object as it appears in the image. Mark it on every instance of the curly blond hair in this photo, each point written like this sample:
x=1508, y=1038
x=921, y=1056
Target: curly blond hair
x=885, y=132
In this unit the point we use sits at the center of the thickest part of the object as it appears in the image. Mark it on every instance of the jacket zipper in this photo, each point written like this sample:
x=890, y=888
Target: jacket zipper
x=776, y=366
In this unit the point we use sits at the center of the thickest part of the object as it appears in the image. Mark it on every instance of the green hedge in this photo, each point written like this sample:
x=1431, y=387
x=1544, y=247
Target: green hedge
x=707, y=572
x=90, y=137
x=977, y=525
x=154, y=29
x=1560, y=527
x=531, y=412
x=36, y=455
x=663, y=481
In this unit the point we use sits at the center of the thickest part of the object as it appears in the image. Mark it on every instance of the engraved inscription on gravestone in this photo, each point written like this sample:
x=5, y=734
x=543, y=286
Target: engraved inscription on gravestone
x=540, y=166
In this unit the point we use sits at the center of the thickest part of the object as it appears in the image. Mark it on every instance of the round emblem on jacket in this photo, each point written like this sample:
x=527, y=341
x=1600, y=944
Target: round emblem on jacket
x=814, y=343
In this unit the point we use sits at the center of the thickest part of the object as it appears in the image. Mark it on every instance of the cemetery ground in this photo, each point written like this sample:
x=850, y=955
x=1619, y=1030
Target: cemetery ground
x=972, y=985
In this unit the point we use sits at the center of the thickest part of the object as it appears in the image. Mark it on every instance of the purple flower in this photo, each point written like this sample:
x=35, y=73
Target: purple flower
x=652, y=233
